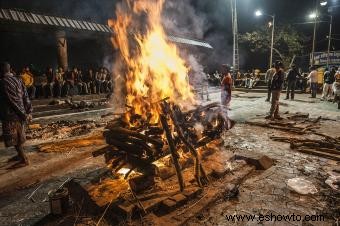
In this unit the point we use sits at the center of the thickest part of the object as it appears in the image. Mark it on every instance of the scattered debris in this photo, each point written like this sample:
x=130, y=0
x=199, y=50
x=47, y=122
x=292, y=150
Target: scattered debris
x=333, y=180
x=61, y=129
x=68, y=145
x=56, y=102
x=302, y=186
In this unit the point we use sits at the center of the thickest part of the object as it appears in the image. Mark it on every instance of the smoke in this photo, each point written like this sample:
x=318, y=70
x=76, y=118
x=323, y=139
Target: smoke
x=198, y=77
x=181, y=18
x=209, y=21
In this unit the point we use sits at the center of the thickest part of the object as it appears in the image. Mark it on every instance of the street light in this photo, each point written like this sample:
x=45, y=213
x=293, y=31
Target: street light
x=323, y=2
x=329, y=39
x=259, y=13
x=314, y=16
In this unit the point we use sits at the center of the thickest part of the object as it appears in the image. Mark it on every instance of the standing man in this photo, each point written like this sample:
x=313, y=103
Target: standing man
x=328, y=80
x=292, y=76
x=226, y=86
x=276, y=88
x=313, y=79
x=15, y=111
x=269, y=76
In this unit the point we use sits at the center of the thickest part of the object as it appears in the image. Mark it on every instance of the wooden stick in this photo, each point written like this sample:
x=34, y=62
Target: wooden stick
x=203, y=108
x=127, y=147
x=120, y=130
x=101, y=151
x=319, y=153
x=198, y=165
x=292, y=129
x=173, y=151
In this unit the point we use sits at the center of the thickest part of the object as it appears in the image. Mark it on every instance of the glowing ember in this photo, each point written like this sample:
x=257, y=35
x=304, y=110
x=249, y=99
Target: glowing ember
x=123, y=171
x=154, y=70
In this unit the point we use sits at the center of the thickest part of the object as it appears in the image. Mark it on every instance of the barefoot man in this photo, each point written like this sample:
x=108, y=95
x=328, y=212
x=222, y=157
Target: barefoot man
x=276, y=88
x=226, y=85
x=15, y=111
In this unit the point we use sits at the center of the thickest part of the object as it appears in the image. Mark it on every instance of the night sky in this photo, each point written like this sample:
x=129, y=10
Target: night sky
x=214, y=16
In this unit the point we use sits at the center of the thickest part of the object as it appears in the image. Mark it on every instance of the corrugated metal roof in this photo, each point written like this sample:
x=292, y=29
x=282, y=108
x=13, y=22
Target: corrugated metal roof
x=27, y=17
x=62, y=22
x=189, y=41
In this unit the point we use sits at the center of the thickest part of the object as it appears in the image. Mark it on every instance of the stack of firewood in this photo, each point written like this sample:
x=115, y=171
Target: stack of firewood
x=296, y=123
x=137, y=147
x=327, y=147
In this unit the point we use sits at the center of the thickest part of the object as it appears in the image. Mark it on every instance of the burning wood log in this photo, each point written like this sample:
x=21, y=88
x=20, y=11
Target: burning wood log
x=201, y=109
x=198, y=166
x=173, y=151
x=137, y=145
x=123, y=131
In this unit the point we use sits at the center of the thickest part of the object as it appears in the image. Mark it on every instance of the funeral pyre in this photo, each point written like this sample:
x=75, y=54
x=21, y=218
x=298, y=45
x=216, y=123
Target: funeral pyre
x=179, y=134
x=162, y=116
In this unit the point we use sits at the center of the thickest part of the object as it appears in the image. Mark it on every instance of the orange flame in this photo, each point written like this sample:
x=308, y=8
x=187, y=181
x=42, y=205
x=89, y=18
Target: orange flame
x=154, y=69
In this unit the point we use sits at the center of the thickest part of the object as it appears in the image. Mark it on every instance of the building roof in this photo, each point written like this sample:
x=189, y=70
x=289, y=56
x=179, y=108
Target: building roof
x=12, y=15
x=63, y=23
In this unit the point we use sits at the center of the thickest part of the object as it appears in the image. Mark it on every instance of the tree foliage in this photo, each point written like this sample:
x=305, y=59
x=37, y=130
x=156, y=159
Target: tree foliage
x=288, y=42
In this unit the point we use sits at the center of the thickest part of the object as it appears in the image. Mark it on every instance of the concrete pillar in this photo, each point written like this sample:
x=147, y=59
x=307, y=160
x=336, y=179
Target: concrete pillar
x=62, y=50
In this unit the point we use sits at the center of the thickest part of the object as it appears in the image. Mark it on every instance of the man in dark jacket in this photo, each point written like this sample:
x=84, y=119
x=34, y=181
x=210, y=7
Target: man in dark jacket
x=276, y=88
x=292, y=76
x=15, y=111
x=328, y=80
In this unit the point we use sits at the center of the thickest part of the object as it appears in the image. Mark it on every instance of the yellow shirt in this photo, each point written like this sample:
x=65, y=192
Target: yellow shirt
x=27, y=78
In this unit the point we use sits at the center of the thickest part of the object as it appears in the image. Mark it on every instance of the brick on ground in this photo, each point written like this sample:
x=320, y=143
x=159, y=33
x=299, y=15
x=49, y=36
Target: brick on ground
x=191, y=193
x=261, y=162
x=179, y=199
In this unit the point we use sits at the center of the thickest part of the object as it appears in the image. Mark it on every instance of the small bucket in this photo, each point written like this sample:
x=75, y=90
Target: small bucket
x=59, y=201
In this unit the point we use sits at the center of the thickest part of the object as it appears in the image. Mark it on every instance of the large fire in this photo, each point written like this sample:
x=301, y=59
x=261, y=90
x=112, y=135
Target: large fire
x=154, y=70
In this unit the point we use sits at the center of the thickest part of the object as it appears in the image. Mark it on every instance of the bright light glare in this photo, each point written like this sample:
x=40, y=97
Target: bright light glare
x=258, y=13
x=323, y=3
x=313, y=15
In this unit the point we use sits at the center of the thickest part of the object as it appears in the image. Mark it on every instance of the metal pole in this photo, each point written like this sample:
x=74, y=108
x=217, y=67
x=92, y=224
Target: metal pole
x=314, y=34
x=329, y=40
x=272, y=44
x=233, y=27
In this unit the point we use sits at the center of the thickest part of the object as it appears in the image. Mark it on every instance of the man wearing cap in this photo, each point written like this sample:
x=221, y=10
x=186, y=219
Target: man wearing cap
x=276, y=88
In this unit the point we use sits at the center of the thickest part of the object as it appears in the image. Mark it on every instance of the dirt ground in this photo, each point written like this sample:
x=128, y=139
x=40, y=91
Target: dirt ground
x=267, y=192
x=264, y=192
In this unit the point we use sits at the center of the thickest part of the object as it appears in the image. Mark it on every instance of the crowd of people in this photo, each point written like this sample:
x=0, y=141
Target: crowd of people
x=59, y=83
x=277, y=79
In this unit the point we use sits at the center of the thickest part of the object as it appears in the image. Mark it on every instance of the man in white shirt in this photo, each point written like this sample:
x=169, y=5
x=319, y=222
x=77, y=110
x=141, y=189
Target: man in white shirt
x=313, y=79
